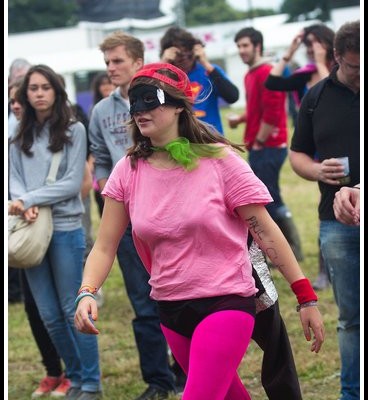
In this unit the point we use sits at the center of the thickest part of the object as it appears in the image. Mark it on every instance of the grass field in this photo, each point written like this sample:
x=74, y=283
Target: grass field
x=318, y=373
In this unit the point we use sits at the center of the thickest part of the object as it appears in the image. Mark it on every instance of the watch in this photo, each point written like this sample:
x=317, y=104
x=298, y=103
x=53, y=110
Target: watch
x=260, y=142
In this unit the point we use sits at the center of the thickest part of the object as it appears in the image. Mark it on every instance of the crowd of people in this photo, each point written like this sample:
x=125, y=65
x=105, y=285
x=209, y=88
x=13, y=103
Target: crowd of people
x=194, y=227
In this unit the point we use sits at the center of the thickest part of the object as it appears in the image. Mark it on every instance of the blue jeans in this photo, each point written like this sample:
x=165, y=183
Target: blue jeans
x=340, y=246
x=151, y=343
x=266, y=164
x=54, y=285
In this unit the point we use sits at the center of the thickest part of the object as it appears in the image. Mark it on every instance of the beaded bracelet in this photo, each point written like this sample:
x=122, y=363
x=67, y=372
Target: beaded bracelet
x=307, y=304
x=80, y=297
x=88, y=286
x=87, y=289
x=80, y=291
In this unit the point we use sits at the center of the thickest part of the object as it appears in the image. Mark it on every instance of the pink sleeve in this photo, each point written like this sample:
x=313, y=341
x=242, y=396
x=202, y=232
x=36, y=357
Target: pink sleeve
x=241, y=185
x=117, y=184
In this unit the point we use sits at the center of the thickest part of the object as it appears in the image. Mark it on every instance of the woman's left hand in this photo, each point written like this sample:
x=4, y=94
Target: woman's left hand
x=312, y=320
x=85, y=316
x=31, y=214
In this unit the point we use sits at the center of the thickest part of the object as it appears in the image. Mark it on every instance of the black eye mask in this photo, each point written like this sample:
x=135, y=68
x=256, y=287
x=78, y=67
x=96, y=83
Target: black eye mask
x=148, y=97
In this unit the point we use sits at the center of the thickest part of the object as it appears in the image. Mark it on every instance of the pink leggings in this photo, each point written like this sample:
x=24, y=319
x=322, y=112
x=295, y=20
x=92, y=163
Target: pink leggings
x=211, y=357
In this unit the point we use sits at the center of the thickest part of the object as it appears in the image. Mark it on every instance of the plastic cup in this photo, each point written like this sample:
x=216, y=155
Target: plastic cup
x=345, y=162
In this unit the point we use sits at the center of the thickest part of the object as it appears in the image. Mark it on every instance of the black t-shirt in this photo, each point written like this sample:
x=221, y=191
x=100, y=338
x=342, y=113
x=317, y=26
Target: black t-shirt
x=332, y=130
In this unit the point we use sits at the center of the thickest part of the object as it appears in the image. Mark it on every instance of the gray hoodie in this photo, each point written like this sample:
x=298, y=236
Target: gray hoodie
x=27, y=176
x=108, y=133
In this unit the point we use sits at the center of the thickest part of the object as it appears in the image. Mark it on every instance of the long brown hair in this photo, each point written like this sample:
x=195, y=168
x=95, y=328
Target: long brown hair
x=60, y=120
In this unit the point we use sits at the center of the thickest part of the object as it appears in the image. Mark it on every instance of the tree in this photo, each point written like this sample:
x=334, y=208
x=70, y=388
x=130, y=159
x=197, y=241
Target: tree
x=313, y=9
x=32, y=15
x=214, y=11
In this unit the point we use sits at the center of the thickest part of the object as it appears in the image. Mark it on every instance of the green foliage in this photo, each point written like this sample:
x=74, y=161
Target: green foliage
x=32, y=15
x=313, y=9
x=215, y=11
x=207, y=11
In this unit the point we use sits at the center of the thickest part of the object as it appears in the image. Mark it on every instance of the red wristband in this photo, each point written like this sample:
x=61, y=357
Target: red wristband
x=303, y=291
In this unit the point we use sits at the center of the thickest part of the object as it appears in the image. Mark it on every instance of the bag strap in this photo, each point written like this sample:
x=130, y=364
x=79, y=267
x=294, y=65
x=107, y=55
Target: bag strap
x=315, y=94
x=55, y=162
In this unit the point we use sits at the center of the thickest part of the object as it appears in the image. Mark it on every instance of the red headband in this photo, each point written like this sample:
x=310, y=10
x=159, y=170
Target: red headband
x=183, y=84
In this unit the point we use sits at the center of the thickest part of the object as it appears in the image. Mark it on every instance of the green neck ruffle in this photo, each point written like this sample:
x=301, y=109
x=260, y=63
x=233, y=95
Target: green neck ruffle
x=187, y=154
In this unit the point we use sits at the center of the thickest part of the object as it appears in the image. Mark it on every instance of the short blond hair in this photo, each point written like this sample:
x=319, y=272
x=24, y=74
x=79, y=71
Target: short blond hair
x=133, y=46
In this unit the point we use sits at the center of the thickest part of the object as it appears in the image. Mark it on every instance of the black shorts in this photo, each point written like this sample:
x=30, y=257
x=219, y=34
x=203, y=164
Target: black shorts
x=182, y=316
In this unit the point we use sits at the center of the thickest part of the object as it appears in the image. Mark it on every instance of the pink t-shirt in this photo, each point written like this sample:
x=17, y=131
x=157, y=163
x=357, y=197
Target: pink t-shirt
x=185, y=227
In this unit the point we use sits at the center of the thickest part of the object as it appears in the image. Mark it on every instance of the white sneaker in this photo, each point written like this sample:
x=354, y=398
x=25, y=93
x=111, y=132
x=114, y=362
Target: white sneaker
x=99, y=298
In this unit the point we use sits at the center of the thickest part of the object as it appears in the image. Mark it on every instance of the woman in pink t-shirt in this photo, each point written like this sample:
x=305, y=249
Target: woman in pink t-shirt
x=191, y=200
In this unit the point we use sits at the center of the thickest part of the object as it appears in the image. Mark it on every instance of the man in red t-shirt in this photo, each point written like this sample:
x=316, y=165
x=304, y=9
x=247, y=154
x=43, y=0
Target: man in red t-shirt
x=265, y=134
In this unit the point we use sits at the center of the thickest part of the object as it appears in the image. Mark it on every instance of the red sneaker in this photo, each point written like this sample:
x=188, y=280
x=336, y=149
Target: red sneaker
x=47, y=385
x=61, y=390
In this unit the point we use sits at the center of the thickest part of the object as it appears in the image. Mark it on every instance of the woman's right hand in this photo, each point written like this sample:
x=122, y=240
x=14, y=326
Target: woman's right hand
x=170, y=54
x=85, y=316
x=294, y=45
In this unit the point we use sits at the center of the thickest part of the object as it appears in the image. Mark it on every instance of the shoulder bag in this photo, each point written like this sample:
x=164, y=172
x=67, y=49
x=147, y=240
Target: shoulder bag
x=29, y=241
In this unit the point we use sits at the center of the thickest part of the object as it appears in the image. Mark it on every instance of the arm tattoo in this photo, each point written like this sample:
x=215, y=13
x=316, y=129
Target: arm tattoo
x=257, y=231
x=254, y=227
